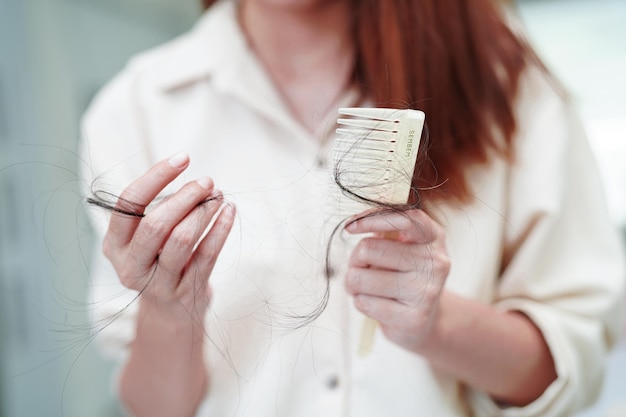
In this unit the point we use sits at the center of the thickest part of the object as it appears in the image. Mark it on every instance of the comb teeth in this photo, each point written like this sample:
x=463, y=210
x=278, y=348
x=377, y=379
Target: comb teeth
x=372, y=113
x=376, y=150
x=369, y=124
x=370, y=134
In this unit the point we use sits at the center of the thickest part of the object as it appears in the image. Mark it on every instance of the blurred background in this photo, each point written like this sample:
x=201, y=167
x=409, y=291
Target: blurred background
x=55, y=54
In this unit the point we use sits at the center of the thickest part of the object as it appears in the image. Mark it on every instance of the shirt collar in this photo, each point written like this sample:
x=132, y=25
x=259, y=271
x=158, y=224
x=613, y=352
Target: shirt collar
x=216, y=49
x=211, y=48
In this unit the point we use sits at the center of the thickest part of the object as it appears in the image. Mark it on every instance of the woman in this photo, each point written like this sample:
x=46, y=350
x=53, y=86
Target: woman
x=500, y=299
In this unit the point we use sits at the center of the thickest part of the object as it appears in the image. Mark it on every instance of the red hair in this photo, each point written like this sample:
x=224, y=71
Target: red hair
x=457, y=61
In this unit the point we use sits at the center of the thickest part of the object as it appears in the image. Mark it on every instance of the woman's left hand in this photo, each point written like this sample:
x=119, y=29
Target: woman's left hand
x=397, y=274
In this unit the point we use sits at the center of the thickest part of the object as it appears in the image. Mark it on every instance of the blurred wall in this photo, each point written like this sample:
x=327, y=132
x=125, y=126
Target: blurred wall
x=54, y=54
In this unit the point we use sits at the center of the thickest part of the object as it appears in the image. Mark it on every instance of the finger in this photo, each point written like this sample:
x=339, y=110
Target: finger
x=156, y=226
x=383, y=310
x=391, y=255
x=399, y=322
x=140, y=193
x=178, y=247
x=409, y=226
x=386, y=284
x=204, y=258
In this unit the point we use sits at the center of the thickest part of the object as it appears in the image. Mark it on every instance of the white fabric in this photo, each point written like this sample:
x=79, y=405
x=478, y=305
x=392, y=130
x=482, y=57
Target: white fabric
x=537, y=238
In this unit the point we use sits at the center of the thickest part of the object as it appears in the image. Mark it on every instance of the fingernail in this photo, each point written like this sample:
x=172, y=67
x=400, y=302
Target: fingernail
x=178, y=160
x=230, y=209
x=351, y=225
x=205, y=182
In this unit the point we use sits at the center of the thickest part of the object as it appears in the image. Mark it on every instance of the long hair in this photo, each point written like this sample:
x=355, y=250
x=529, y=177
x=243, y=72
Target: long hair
x=456, y=60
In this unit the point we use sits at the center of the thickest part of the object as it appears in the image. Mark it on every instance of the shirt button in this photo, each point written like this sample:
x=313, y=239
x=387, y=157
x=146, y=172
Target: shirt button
x=320, y=162
x=332, y=382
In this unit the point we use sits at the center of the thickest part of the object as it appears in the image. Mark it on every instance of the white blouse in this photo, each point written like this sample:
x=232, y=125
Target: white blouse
x=537, y=238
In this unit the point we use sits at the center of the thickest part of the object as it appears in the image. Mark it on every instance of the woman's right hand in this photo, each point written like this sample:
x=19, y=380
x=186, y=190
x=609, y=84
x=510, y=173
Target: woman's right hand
x=164, y=254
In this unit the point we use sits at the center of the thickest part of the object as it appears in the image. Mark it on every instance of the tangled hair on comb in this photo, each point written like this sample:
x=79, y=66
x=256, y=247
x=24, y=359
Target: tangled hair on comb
x=355, y=194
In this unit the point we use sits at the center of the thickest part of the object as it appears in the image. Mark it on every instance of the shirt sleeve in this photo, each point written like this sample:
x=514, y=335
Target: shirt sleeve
x=113, y=152
x=563, y=258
